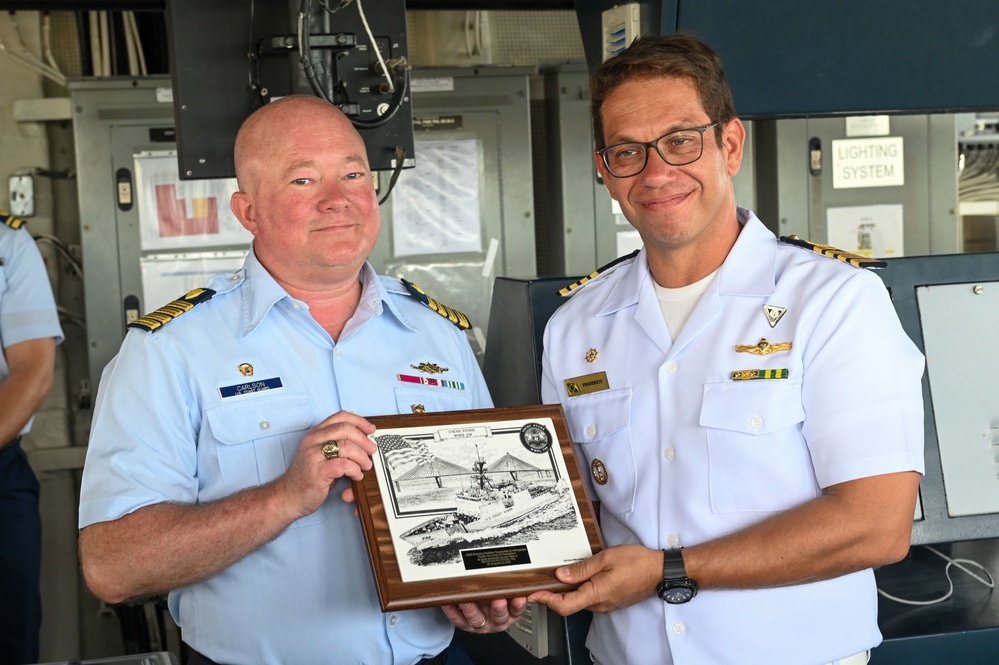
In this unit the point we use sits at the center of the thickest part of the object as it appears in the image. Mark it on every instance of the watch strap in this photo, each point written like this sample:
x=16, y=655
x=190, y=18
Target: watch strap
x=673, y=567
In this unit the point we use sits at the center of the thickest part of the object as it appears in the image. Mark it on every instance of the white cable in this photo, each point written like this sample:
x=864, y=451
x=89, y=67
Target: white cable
x=47, y=43
x=105, y=44
x=378, y=51
x=133, y=61
x=95, y=44
x=24, y=56
x=989, y=582
x=137, y=40
x=32, y=65
x=468, y=34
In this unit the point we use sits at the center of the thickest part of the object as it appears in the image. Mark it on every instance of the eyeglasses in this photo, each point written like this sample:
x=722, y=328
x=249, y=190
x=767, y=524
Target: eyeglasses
x=677, y=148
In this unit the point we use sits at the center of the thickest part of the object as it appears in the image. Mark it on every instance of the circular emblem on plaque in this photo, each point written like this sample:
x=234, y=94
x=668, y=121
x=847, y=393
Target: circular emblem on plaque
x=536, y=438
x=599, y=471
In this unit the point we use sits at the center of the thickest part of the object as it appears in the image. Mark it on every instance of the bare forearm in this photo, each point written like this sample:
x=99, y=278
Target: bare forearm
x=167, y=546
x=837, y=533
x=32, y=364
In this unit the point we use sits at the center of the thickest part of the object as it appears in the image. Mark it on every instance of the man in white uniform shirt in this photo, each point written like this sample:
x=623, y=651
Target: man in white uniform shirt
x=749, y=411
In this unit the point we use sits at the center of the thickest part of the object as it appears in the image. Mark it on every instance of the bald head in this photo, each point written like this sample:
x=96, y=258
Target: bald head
x=265, y=132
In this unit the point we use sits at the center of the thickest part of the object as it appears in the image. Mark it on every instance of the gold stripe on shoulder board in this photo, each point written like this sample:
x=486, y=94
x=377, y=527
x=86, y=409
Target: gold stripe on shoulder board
x=855, y=260
x=575, y=285
x=452, y=315
x=157, y=319
x=11, y=221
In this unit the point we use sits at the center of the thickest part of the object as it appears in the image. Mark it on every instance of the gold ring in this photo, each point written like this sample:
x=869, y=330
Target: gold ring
x=480, y=625
x=331, y=449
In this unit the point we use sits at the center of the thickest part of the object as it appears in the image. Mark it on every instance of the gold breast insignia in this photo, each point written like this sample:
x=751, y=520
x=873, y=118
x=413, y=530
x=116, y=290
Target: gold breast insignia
x=430, y=368
x=763, y=347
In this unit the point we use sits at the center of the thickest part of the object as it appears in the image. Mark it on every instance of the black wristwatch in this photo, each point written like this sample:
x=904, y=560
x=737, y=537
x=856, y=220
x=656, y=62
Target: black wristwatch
x=676, y=587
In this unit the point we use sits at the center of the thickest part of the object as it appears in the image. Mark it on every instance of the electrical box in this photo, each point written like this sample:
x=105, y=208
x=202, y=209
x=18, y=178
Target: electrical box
x=22, y=195
x=465, y=214
x=146, y=236
x=230, y=57
x=873, y=185
x=620, y=26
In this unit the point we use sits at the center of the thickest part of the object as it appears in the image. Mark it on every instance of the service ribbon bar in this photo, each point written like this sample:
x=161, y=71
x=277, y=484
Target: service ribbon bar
x=748, y=374
x=429, y=381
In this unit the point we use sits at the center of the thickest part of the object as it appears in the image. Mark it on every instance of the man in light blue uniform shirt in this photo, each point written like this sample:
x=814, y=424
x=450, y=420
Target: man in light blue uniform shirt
x=755, y=435
x=29, y=333
x=215, y=469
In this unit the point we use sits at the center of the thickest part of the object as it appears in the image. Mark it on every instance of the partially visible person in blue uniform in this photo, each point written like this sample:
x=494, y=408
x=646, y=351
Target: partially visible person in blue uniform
x=29, y=333
x=229, y=425
x=749, y=410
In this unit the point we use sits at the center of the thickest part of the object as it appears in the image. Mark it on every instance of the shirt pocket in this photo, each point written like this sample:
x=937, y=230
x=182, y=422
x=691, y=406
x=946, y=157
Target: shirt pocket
x=757, y=457
x=410, y=400
x=257, y=439
x=600, y=426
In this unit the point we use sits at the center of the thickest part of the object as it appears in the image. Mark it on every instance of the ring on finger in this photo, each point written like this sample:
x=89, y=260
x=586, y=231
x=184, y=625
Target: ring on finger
x=481, y=624
x=331, y=449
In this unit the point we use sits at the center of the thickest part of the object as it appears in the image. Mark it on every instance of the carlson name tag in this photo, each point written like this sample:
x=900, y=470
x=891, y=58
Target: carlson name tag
x=250, y=387
x=588, y=383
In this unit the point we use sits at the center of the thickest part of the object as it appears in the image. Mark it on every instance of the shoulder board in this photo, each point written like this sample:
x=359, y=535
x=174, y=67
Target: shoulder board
x=156, y=320
x=11, y=221
x=602, y=269
x=452, y=315
x=855, y=260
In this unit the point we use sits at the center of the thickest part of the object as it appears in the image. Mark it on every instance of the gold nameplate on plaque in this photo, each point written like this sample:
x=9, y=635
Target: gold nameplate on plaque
x=588, y=383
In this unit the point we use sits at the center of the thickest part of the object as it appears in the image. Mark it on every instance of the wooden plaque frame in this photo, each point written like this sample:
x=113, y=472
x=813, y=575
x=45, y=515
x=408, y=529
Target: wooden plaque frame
x=377, y=501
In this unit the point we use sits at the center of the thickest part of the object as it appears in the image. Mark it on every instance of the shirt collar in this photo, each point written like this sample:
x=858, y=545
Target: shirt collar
x=261, y=293
x=749, y=269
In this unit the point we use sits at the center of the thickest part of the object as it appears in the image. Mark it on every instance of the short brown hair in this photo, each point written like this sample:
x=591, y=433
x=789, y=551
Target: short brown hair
x=665, y=56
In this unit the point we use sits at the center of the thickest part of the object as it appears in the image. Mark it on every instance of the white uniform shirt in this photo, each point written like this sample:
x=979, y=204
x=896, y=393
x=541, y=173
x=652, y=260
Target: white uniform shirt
x=27, y=308
x=691, y=454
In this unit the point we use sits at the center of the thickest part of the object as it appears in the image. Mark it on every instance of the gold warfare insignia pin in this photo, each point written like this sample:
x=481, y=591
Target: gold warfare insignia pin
x=763, y=347
x=749, y=374
x=773, y=314
x=418, y=408
x=588, y=383
x=430, y=368
x=592, y=355
x=246, y=369
x=599, y=471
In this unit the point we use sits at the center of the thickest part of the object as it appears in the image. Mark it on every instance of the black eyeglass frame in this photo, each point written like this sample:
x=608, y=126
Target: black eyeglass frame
x=655, y=144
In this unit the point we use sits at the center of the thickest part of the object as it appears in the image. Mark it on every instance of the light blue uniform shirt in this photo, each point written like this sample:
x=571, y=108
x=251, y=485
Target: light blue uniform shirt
x=692, y=454
x=27, y=308
x=174, y=421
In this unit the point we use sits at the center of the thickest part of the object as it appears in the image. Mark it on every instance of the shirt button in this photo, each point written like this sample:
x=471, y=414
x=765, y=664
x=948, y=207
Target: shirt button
x=234, y=278
x=673, y=540
x=756, y=422
x=669, y=454
x=679, y=628
x=671, y=367
x=591, y=431
x=264, y=424
x=393, y=619
x=372, y=304
x=337, y=352
x=296, y=306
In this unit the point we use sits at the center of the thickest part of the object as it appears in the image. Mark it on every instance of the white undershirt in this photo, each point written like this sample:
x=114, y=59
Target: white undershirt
x=677, y=304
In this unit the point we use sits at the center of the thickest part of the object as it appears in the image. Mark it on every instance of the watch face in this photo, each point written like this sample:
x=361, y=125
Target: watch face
x=675, y=594
x=678, y=594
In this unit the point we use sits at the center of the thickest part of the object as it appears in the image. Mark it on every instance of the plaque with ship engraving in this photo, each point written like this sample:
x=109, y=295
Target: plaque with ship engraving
x=473, y=505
